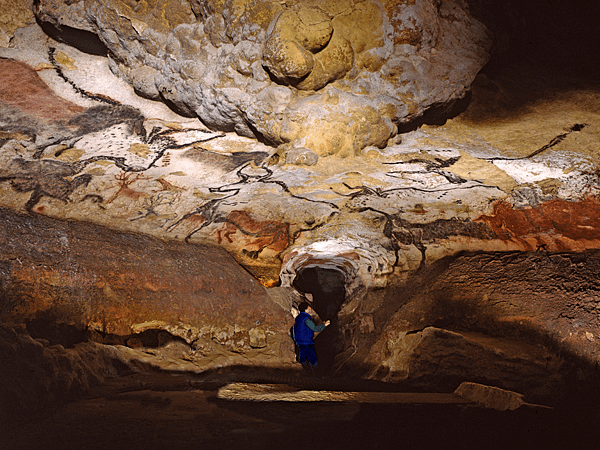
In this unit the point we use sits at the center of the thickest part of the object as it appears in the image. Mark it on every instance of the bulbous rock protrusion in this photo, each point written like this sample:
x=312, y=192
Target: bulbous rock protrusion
x=330, y=64
x=286, y=60
x=312, y=28
x=293, y=38
x=387, y=62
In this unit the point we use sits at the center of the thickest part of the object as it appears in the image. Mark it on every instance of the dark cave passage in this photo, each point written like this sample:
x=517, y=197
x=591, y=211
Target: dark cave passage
x=328, y=290
x=82, y=40
x=327, y=287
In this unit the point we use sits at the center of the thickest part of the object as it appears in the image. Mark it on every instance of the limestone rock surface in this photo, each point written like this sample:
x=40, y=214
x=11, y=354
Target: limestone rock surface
x=519, y=321
x=335, y=77
x=36, y=377
x=14, y=15
x=59, y=276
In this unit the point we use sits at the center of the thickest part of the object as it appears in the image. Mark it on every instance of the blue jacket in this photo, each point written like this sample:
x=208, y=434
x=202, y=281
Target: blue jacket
x=303, y=332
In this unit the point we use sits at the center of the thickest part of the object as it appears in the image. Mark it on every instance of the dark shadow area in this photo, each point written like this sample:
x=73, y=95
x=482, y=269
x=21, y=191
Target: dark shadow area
x=508, y=92
x=547, y=34
x=452, y=427
x=181, y=110
x=82, y=40
x=47, y=327
x=181, y=411
x=156, y=408
x=327, y=287
x=541, y=49
x=437, y=114
x=54, y=332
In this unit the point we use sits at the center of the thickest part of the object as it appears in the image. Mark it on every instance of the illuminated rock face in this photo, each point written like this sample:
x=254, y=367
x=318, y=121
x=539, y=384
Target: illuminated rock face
x=518, y=320
x=332, y=77
x=75, y=276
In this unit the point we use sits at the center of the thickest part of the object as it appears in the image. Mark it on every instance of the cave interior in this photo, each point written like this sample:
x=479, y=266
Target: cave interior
x=540, y=47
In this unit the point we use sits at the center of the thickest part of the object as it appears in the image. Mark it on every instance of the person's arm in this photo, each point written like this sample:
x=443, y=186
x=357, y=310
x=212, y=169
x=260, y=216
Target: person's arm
x=316, y=328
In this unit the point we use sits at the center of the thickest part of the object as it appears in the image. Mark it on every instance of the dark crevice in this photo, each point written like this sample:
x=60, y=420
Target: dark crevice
x=48, y=328
x=148, y=339
x=327, y=286
x=82, y=40
x=417, y=331
x=437, y=115
x=184, y=112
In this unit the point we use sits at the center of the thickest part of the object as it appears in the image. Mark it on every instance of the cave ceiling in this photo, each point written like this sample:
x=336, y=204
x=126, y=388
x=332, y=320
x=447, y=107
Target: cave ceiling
x=334, y=164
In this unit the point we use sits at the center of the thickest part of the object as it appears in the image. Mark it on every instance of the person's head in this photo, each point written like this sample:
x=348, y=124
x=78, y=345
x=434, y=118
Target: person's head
x=303, y=306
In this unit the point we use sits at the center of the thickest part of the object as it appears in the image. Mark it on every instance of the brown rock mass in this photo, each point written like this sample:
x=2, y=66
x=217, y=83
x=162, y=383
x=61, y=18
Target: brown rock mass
x=79, y=275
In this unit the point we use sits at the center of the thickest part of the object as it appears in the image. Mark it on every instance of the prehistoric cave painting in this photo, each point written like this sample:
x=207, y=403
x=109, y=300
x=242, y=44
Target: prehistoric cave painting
x=52, y=178
x=31, y=111
x=48, y=127
x=270, y=234
x=401, y=231
x=124, y=181
x=151, y=208
x=16, y=125
x=23, y=90
x=123, y=138
x=43, y=179
x=408, y=233
x=224, y=162
x=429, y=166
x=106, y=132
x=80, y=91
x=556, y=225
x=166, y=160
x=263, y=234
x=169, y=187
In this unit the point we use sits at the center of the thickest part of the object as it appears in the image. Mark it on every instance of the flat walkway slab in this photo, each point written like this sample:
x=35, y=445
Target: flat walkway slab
x=287, y=393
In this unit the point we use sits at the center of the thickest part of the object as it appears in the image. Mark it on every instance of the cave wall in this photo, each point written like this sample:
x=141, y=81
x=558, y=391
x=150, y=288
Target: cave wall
x=60, y=278
x=525, y=321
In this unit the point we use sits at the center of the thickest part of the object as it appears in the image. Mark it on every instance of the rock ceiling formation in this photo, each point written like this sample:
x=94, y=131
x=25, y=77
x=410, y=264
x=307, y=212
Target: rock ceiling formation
x=320, y=77
x=354, y=142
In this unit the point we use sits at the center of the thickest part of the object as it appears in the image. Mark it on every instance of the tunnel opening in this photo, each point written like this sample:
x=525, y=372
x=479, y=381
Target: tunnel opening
x=328, y=289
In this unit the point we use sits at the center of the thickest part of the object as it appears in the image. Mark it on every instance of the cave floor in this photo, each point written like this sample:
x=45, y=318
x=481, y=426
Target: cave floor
x=158, y=410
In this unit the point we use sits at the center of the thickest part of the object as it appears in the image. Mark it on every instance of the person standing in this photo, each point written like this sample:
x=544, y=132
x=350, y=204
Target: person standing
x=303, y=332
